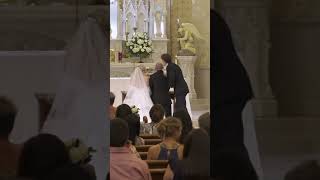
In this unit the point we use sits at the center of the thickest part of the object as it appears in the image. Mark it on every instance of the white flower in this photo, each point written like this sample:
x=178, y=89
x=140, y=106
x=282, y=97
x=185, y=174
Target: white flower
x=140, y=34
x=134, y=109
x=142, y=50
x=140, y=41
x=148, y=50
x=131, y=47
x=78, y=151
x=135, y=50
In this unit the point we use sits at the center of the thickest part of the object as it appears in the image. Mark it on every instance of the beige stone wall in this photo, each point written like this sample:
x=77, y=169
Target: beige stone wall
x=180, y=9
x=201, y=19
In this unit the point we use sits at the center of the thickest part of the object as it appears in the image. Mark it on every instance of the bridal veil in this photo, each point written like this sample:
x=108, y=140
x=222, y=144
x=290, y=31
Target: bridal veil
x=80, y=106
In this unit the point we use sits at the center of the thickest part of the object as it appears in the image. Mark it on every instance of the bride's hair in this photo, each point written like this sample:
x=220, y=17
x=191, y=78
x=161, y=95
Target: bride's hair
x=143, y=68
x=137, y=78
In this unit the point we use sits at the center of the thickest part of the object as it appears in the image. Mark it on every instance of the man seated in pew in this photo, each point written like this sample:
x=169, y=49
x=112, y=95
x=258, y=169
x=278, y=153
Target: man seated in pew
x=124, y=164
x=169, y=131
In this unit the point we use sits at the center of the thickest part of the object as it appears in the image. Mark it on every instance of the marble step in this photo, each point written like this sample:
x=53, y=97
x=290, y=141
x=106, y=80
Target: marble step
x=200, y=104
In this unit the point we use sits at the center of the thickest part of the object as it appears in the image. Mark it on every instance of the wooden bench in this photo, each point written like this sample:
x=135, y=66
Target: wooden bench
x=143, y=148
x=157, y=164
x=157, y=174
x=152, y=141
x=143, y=155
x=149, y=136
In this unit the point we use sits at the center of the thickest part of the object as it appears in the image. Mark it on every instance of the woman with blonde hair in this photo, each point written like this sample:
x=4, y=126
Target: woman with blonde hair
x=169, y=130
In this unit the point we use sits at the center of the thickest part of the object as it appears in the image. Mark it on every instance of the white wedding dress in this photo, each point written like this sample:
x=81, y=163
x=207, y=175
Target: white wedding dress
x=138, y=94
x=250, y=138
x=79, y=108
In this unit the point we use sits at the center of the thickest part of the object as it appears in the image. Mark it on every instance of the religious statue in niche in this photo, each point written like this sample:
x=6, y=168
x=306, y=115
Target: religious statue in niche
x=191, y=42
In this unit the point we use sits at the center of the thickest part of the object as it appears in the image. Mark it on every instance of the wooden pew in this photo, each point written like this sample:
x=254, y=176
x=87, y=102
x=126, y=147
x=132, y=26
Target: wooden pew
x=143, y=155
x=148, y=136
x=152, y=141
x=157, y=174
x=143, y=148
x=157, y=164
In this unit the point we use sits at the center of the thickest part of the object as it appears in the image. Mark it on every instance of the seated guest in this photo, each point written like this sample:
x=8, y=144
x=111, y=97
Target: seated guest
x=204, y=122
x=70, y=172
x=112, y=109
x=42, y=155
x=124, y=164
x=169, y=131
x=9, y=152
x=124, y=112
x=156, y=114
x=186, y=121
x=196, y=161
x=309, y=170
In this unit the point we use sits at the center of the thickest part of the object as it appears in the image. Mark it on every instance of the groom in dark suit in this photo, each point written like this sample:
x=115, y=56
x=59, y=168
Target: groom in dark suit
x=159, y=87
x=177, y=84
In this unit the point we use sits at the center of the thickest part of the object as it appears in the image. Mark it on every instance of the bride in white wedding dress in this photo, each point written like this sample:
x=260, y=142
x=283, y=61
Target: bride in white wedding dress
x=138, y=93
x=79, y=108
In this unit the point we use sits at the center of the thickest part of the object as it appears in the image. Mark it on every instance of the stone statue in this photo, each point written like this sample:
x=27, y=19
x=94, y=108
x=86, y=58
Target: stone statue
x=188, y=34
x=192, y=43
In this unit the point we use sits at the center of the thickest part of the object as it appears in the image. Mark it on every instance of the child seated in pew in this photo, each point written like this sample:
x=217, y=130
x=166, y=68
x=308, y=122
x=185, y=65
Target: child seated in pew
x=124, y=164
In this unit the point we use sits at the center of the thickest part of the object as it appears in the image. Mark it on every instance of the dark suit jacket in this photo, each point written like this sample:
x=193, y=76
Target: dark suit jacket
x=176, y=79
x=159, y=87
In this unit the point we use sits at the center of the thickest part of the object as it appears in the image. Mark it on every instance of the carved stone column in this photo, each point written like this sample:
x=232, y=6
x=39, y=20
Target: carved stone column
x=249, y=24
x=187, y=66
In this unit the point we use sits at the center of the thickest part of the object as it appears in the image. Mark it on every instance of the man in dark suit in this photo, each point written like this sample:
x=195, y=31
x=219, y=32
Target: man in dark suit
x=159, y=87
x=177, y=84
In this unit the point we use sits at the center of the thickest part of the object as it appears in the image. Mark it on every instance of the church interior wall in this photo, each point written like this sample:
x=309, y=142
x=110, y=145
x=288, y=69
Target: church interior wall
x=294, y=57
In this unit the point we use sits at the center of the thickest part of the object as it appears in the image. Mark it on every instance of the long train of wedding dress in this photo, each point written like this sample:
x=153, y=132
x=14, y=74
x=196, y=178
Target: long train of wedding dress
x=250, y=138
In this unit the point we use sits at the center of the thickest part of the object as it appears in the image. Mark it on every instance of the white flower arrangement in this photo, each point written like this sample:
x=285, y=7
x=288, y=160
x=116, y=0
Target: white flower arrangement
x=135, y=110
x=79, y=152
x=139, y=45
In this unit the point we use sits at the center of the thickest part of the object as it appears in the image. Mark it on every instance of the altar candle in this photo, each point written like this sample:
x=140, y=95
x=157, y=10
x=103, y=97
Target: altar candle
x=116, y=57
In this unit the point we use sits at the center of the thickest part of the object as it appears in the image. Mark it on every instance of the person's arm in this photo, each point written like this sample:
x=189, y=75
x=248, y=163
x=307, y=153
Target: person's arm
x=152, y=152
x=168, y=175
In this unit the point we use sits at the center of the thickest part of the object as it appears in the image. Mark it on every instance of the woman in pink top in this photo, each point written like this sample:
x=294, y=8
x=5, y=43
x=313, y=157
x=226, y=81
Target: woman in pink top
x=124, y=165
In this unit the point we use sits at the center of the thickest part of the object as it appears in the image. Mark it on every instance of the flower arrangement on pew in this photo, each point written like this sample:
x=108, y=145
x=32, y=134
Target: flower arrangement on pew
x=79, y=152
